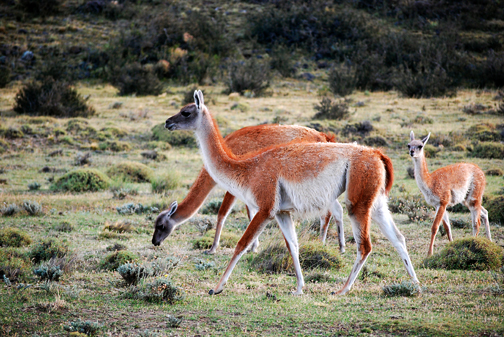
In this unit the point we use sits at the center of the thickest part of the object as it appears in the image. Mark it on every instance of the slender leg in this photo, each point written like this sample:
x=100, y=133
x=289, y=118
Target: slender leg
x=361, y=220
x=289, y=232
x=254, y=246
x=435, y=226
x=446, y=225
x=486, y=221
x=475, y=219
x=253, y=230
x=224, y=210
x=382, y=216
x=337, y=212
x=324, y=226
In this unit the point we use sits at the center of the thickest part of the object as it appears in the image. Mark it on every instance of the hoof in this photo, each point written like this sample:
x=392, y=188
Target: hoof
x=209, y=252
x=212, y=292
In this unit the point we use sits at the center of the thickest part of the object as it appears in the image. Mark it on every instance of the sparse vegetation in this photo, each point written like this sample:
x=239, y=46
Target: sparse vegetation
x=227, y=240
x=158, y=291
x=329, y=109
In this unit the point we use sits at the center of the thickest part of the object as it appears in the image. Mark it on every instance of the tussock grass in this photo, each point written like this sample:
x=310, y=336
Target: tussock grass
x=131, y=171
x=81, y=180
x=13, y=237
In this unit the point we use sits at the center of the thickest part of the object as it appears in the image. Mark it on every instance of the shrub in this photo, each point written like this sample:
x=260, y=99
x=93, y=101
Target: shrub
x=13, y=237
x=116, y=247
x=13, y=133
x=413, y=206
x=362, y=129
x=495, y=172
x=167, y=181
x=32, y=207
x=488, y=150
x=48, y=249
x=160, y=290
x=51, y=98
x=64, y=226
x=228, y=240
x=137, y=79
x=120, y=227
x=9, y=210
x=276, y=258
x=132, y=273
x=405, y=288
x=82, y=180
x=250, y=75
x=376, y=141
x=425, y=83
x=131, y=171
x=115, y=146
x=46, y=272
x=474, y=109
x=40, y=7
x=84, y=327
x=131, y=208
x=211, y=207
x=329, y=109
x=14, y=265
x=116, y=132
x=5, y=74
x=114, y=260
x=485, y=132
x=342, y=80
x=179, y=138
x=33, y=186
x=495, y=208
x=189, y=96
x=459, y=148
x=282, y=61
x=467, y=254
x=4, y=145
x=430, y=151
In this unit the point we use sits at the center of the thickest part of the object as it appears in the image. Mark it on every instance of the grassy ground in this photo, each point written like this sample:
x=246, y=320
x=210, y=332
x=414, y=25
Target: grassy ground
x=452, y=302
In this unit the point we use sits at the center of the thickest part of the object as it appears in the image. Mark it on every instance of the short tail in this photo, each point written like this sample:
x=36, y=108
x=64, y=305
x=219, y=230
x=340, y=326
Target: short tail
x=330, y=138
x=389, y=171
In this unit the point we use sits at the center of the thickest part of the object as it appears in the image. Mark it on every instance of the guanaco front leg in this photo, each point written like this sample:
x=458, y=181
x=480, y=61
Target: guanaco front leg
x=253, y=230
x=224, y=210
x=435, y=226
x=446, y=225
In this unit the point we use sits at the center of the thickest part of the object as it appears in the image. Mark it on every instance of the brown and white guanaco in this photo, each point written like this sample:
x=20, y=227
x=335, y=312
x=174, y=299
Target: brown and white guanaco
x=300, y=178
x=447, y=186
x=248, y=139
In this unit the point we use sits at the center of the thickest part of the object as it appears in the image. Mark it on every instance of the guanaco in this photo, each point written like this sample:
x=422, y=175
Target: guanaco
x=454, y=184
x=300, y=178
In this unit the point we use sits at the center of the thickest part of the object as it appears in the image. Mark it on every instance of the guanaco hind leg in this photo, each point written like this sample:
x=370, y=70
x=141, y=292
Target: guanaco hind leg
x=224, y=210
x=435, y=227
x=446, y=225
x=486, y=221
x=289, y=232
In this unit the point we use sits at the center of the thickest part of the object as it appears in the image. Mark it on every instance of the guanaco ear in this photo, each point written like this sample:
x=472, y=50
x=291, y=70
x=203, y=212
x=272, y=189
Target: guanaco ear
x=197, y=100
x=412, y=136
x=173, y=208
x=426, y=139
x=201, y=99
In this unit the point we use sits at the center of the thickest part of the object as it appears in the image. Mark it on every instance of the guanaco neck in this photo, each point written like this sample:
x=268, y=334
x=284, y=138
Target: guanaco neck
x=422, y=175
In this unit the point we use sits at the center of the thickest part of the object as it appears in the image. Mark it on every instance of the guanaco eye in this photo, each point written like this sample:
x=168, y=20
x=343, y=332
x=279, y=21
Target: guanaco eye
x=420, y=147
x=185, y=113
x=409, y=146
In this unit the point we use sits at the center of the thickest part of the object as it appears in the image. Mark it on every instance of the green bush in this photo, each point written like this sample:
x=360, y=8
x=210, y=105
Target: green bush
x=32, y=207
x=137, y=79
x=467, y=254
x=4, y=145
x=132, y=273
x=177, y=138
x=33, y=186
x=13, y=133
x=131, y=171
x=228, y=240
x=414, y=206
x=496, y=172
x=116, y=132
x=88, y=328
x=342, y=80
x=166, y=181
x=51, y=98
x=115, y=146
x=5, y=75
x=282, y=61
x=82, y=180
x=48, y=249
x=160, y=290
x=312, y=255
x=405, y=288
x=488, y=150
x=9, y=210
x=495, y=208
x=114, y=260
x=13, y=237
x=46, y=272
x=250, y=75
x=484, y=132
x=14, y=265
x=64, y=226
x=329, y=109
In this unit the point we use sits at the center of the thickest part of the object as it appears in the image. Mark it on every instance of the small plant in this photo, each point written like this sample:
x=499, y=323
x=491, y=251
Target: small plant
x=13, y=237
x=467, y=254
x=64, y=226
x=405, y=288
x=204, y=265
x=496, y=172
x=474, y=109
x=495, y=208
x=172, y=321
x=82, y=180
x=282, y=61
x=116, y=247
x=430, y=151
x=489, y=150
x=14, y=265
x=131, y=171
x=160, y=290
x=5, y=76
x=378, y=141
x=82, y=159
x=250, y=75
x=131, y=208
x=114, y=260
x=211, y=207
x=342, y=80
x=137, y=79
x=9, y=210
x=48, y=249
x=132, y=273
x=120, y=227
x=32, y=207
x=86, y=327
x=329, y=109
x=33, y=186
x=47, y=272
x=169, y=180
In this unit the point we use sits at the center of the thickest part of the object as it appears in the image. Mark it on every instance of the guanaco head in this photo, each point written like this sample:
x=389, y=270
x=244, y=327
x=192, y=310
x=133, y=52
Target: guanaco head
x=189, y=116
x=415, y=146
x=164, y=224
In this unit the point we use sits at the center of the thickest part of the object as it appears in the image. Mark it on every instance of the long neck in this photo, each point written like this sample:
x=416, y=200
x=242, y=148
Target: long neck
x=422, y=175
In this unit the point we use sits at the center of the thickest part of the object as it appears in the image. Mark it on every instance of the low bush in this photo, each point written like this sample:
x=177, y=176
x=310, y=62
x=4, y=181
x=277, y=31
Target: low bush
x=5, y=76
x=88, y=328
x=188, y=96
x=484, y=132
x=4, y=145
x=361, y=129
x=426, y=83
x=495, y=208
x=282, y=61
x=228, y=240
x=158, y=291
x=13, y=237
x=120, y=227
x=9, y=210
x=131, y=208
x=32, y=207
x=413, y=206
x=168, y=180
x=430, y=151
x=116, y=247
x=405, y=288
x=115, y=132
x=342, y=80
x=115, y=146
x=250, y=75
x=46, y=272
x=329, y=109
x=179, y=138
x=496, y=172
x=14, y=265
x=51, y=98
x=33, y=186
x=211, y=207
x=64, y=226
x=13, y=133
x=82, y=180
x=114, y=260
x=131, y=171
x=48, y=249
x=137, y=79
x=376, y=141
x=488, y=150
x=312, y=255
x=467, y=254
x=459, y=148
x=132, y=273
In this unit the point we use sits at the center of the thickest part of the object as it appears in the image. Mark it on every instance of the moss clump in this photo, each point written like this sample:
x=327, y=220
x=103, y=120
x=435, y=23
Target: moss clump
x=228, y=240
x=169, y=180
x=14, y=265
x=176, y=138
x=131, y=172
x=113, y=260
x=76, y=125
x=116, y=132
x=488, y=150
x=115, y=146
x=495, y=208
x=467, y=254
x=276, y=258
x=82, y=180
x=13, y=237
x=47, y=249
x=120, y=227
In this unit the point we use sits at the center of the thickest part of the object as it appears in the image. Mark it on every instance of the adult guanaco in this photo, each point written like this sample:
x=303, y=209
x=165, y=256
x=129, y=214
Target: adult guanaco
x=248, y=139
x=447, y=186
x=300, y=178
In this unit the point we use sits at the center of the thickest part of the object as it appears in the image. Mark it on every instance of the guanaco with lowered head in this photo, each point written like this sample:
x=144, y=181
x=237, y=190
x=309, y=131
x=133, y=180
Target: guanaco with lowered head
x=299, y=178
x=454, y=184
